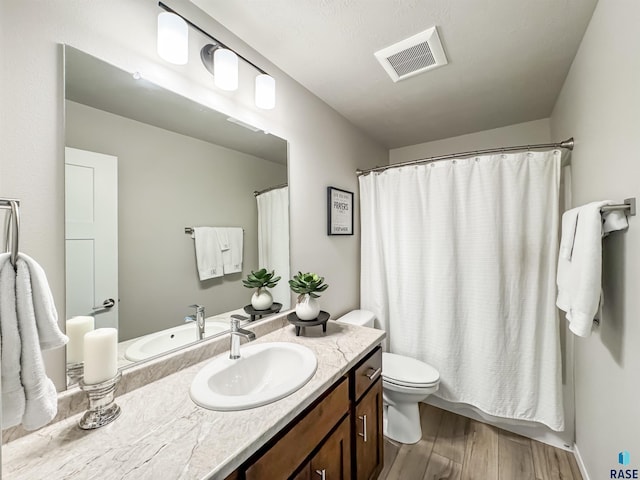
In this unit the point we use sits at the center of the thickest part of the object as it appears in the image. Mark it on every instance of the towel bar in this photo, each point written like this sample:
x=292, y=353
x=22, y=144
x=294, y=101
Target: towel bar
x=189, y=230
x=13, y=227
x=629, y=204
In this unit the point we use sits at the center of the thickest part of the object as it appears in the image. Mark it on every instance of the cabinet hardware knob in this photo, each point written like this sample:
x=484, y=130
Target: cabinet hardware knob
x=364, y=427
x=322, y=473
x=373, y=374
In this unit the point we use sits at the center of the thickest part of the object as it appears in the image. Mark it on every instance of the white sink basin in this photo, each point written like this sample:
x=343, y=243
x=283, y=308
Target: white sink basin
x=175, y=337
x=265, y=373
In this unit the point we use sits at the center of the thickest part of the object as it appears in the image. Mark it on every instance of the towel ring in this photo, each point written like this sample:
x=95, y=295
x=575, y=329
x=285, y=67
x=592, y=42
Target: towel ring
x=13, y=232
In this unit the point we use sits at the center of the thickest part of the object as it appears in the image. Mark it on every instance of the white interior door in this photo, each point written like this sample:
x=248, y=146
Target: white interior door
x=91, y=235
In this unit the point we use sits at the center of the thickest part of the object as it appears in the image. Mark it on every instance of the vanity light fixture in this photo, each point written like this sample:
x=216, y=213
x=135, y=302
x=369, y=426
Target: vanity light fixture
x=225, y=69
x=173, y=38
x=222, y=62
x=265, y=92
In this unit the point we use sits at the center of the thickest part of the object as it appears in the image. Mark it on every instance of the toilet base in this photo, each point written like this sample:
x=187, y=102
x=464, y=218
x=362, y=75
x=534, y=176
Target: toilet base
x=402, y=423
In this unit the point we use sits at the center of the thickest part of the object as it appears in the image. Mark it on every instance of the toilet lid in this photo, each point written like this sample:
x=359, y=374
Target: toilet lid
x=408, y=371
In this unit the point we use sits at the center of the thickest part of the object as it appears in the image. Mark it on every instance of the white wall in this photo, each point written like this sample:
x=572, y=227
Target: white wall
x=600, y=106
x=537, y=131
x=325, y=149
x=526, y=133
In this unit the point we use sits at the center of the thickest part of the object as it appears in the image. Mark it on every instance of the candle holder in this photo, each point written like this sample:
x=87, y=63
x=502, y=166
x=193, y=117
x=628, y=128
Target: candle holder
x=75, y=372
x=102, y=409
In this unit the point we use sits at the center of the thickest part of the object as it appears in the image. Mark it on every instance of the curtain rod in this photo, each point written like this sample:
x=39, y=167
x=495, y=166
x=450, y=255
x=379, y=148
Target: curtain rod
x=260, y=192
x=568, y=144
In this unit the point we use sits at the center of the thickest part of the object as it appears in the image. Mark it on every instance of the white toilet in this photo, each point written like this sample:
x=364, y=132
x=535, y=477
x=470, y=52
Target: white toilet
x=405, y=383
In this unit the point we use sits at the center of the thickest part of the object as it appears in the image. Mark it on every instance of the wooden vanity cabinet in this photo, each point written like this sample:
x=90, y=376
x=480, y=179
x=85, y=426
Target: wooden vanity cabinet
x=366, y=417
x=339, y=437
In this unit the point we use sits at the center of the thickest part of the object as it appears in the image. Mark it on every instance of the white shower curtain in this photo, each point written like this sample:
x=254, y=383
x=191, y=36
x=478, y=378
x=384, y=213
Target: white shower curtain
x=458, y=264
x=273, y=239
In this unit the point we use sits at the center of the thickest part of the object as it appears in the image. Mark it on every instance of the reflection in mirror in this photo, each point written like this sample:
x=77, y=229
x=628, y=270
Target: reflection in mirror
x=143, y=164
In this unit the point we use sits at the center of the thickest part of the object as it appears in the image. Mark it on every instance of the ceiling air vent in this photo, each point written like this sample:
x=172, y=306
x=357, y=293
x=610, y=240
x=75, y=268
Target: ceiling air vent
x=413, y=55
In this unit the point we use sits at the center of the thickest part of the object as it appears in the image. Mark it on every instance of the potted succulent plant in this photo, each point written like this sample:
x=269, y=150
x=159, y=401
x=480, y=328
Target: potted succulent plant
x=307, y=286
x=261, y=280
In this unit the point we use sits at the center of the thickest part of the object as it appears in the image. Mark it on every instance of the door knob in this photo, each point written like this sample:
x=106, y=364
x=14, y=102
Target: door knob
x=106, y=305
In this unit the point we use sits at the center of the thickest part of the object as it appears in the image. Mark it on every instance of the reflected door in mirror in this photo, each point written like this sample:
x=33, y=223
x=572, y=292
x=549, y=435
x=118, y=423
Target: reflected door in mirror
x=91, y=241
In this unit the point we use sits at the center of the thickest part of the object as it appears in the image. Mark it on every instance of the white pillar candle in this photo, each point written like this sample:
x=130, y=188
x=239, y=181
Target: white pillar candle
x=100, y=355
x=76, y=328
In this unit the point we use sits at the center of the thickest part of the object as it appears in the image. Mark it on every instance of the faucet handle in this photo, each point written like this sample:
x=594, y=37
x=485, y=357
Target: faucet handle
x=197, y=307
x=239, y=317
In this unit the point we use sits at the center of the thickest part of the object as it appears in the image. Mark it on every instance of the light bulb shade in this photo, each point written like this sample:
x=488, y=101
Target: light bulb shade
x=173, y=38
x=265, y=92
x=225, y=69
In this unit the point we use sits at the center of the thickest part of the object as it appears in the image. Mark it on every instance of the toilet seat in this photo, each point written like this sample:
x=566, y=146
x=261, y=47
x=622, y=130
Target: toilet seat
x=408, y=372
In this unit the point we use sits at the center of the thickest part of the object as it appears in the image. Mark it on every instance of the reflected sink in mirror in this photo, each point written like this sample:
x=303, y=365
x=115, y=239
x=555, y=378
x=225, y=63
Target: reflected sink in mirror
x=265, y=373
x=172, y=338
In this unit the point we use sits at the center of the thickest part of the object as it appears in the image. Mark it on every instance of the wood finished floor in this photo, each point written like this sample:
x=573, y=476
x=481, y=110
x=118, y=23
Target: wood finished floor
x=456, y=447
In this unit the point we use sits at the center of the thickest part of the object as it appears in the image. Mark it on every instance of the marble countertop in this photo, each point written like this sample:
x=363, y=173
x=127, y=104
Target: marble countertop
x=163, y=434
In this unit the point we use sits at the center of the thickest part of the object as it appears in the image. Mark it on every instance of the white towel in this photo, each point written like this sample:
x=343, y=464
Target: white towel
x=613, y=221
x=46, y=315
x=569, y=222
x=223, y=238
x=580, y=278
x=40, y=392
x=232, y=258
x=13, y=396
x=26, y=309
x=208, y=253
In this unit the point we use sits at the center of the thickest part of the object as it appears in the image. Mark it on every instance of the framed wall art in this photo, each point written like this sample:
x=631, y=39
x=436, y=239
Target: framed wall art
x=339, y=211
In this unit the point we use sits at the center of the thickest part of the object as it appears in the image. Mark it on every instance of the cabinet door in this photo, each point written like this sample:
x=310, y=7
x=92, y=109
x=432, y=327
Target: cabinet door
x=285, y=456
x=333, y=460
x=368, y=434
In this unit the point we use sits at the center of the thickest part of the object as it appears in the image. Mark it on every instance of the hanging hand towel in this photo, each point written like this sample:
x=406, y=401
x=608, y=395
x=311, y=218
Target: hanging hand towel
x=613, y=221
x=208, y=253
x=46, y=315
x=569, y=222
x=232, y=258
x=13, y=396
x=579, y=279
x=40, y=393
x=223, y=238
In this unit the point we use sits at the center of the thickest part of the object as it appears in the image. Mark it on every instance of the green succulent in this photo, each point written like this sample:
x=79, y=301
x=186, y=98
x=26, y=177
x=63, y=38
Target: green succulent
x=261, y=279
x=307, y=283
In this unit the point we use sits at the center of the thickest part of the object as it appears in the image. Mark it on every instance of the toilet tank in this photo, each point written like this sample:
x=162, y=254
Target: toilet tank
x=362, y=318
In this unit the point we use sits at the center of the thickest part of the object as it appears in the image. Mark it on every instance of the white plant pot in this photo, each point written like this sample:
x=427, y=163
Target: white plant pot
x=308, y=308
x=261, y=299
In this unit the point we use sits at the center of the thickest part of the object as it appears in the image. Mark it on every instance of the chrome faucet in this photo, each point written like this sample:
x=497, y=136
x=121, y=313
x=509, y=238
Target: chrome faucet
x=199, y=319
x=236, y=333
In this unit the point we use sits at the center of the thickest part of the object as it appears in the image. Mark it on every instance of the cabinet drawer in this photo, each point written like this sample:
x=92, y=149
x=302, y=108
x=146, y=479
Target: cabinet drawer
x=285, y=456
x=367, y=373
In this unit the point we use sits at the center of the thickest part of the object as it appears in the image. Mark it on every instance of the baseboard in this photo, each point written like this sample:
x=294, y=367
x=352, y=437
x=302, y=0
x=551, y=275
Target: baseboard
x=583, y=469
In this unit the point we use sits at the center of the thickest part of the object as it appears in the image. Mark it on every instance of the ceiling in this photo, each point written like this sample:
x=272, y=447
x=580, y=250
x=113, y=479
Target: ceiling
x=507, y=58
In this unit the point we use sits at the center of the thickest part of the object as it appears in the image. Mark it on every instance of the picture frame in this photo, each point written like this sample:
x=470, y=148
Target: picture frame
x=339, y=211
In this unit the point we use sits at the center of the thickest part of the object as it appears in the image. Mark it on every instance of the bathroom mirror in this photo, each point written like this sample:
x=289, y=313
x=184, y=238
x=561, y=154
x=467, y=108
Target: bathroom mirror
x=143, y=165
